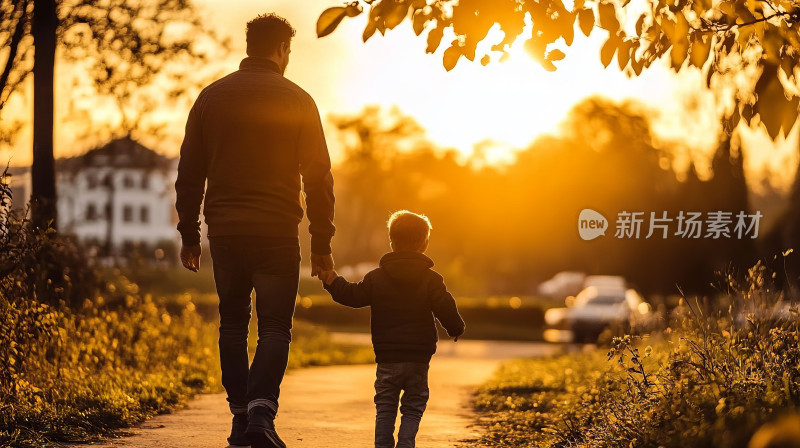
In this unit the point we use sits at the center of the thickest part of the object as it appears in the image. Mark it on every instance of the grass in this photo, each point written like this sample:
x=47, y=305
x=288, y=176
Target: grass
x=527, y=398
x=721, y=371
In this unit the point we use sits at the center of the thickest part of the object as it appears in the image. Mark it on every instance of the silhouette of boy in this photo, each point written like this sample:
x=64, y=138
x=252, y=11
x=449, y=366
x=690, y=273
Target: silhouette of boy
x=405, y=296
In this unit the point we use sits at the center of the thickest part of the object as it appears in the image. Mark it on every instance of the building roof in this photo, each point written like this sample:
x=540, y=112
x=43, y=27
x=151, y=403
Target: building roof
x=123, y=152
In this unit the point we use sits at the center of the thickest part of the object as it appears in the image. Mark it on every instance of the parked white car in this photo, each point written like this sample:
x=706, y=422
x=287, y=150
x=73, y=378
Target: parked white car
x=563, y=284
x=605, y=281
x=597, y=308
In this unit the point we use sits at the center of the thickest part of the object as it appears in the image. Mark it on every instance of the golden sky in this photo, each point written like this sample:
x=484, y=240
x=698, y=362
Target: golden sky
x=510, y=103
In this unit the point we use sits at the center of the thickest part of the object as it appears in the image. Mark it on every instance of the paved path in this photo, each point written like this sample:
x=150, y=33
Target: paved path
x=331, y=407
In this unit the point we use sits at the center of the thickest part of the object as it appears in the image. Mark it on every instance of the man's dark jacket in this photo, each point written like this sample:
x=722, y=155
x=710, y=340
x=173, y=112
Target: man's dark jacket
x=252, y=135
x=404, y=295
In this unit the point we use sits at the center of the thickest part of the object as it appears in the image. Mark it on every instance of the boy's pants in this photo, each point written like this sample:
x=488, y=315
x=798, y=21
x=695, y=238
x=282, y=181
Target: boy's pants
x=391, y=378
x=271, y=267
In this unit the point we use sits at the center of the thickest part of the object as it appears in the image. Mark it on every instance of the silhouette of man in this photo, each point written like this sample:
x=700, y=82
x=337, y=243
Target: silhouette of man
x=250, y=139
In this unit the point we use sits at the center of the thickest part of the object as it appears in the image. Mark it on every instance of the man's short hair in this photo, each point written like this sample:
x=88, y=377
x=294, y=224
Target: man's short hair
x=408, y=231
x=266, y=32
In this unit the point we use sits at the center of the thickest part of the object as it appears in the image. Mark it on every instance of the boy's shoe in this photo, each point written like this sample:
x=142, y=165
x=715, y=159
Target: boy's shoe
x=238, y=430
x=261, y=430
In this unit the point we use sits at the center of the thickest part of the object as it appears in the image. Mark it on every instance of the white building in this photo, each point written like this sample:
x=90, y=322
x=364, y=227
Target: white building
x=116, y=197
x=120, y=195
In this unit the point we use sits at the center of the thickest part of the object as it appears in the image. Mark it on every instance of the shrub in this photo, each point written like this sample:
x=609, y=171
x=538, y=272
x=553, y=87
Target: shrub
x=73, y=375
x=75, y=365
x=722, y=370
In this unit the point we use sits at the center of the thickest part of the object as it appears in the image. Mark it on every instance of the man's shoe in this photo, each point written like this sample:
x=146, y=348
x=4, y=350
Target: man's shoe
x=261, y=430
x=238, y=430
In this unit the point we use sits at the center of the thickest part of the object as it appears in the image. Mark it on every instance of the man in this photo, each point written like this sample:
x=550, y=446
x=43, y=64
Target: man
x=251, y=136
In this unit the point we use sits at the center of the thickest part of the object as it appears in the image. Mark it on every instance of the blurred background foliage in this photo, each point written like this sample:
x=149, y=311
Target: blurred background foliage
x=502, y=229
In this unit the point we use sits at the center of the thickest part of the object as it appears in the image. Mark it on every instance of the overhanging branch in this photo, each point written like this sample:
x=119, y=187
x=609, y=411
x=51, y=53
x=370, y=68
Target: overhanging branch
x=16, y=38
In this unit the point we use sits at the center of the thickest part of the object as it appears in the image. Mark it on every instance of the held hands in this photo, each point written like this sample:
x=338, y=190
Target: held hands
x=328, y=277
x=320, y=264
x=190, y=257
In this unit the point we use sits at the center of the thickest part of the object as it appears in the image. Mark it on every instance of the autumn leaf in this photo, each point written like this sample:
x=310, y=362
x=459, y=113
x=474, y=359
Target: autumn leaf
x=396, y=16
x=547, y=65
x=701, y=46
x=451, y=56
x=434, y=39
x=369, y=30
x=678, y=54
x=608, y=17
x=608, y=50
x=773, y=108
x=624, y=53
x=419, y=22
x=556, y=55
x=637, y=65
x=330, y=19
x=586, y=20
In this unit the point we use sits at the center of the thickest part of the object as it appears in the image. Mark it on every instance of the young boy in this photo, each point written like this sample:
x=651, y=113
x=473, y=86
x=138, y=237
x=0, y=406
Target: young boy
x=405, y=295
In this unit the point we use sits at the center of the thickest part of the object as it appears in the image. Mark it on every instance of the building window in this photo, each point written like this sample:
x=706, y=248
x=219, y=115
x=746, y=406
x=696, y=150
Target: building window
x=127, y=213
x=91, y=180
x=107, y=212
x=145, y=182
x=144, y=214
x=127, y=182
x=91, y=212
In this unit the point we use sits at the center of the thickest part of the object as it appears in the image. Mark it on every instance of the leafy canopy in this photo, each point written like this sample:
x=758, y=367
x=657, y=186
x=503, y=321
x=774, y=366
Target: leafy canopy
x=722, y=38
x=123, y=45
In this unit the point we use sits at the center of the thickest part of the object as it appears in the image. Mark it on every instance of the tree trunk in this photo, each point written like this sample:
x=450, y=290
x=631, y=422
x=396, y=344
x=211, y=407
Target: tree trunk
x=43, y=195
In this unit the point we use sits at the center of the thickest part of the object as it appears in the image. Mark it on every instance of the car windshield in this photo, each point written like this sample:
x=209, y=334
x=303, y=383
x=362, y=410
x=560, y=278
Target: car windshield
x=606, y=300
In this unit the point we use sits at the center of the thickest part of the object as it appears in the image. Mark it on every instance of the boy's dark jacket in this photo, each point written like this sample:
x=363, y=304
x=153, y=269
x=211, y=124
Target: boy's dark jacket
x=405, y=295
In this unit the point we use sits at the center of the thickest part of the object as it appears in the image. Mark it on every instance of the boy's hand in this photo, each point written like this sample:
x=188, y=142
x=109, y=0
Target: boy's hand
x=455, y=339
x=328, y=277
x=320, y=264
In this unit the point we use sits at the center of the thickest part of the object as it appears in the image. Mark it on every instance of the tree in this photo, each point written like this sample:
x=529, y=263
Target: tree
x=127, y=44
x=723, y=39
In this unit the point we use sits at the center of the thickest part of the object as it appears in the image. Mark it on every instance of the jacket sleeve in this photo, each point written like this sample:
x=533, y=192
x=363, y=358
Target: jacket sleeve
x=444, y=308
x=191, y=183
x=315, y=167
x=354, y=295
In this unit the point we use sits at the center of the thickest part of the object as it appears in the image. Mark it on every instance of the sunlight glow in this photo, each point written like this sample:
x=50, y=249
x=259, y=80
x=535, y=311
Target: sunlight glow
x=493, y=110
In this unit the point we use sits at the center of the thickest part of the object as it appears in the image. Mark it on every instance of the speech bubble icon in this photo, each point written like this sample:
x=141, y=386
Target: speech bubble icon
x=591, y=224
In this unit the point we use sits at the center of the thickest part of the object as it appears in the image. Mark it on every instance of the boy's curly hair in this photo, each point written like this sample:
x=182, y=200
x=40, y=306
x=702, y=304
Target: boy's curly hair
x=266, y=32
x=408, y=231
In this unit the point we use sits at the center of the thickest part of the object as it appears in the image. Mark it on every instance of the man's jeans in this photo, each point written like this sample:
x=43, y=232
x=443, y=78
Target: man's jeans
x=412, y=379
x=271, y=266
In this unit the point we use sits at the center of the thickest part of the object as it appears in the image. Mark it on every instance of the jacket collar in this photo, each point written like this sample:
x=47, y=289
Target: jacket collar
x=259, y=64
x=406, y=255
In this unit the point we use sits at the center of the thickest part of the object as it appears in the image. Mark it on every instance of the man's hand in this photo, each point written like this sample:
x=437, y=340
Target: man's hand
x=328, y=277
x=320, y=264
x=190, y=257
